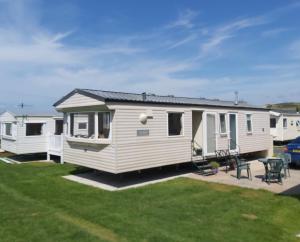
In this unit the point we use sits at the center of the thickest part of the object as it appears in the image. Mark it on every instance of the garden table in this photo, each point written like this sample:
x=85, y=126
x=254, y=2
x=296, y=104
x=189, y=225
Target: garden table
x=265, y=161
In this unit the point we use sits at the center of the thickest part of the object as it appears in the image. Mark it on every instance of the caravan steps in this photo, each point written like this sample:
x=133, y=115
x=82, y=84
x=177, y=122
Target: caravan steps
x=203, y=167
x=9, y=161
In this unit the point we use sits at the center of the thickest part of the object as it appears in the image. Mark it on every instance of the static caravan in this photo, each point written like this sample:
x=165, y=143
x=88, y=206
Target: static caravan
x=284, y=125
x=120, y=132
x=30, y=133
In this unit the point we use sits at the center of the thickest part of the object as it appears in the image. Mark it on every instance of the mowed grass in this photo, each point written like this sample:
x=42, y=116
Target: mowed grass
x=37, y=204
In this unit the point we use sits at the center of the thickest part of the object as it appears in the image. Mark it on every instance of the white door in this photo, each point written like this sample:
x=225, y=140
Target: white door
x=211, y=141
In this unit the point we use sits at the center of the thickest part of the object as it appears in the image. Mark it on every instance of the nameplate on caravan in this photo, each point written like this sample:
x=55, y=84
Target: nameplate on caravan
x=142, y=132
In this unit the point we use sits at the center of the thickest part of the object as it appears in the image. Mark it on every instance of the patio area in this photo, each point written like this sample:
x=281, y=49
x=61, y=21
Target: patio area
x=290, y=186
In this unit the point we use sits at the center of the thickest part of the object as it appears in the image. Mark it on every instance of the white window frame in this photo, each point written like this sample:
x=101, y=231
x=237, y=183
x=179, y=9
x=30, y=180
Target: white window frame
x=285, y=126
x=11, y=129
x=68, y=134
x=251, y=120
x=36, y=122
x=225, y=119
x=182, y=124
x=275, y=123
x=237, y=149
x=204, y=130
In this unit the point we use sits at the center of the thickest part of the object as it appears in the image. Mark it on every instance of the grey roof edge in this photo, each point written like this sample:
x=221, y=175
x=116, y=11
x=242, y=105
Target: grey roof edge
x=87, y=92
x=51, y=115
x=286, y=112
x=80, y=91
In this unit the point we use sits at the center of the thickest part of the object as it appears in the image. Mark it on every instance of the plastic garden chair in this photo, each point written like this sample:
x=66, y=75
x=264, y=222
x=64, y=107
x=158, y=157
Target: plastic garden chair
x=274, y=170
x=242, y=165
x=287, y=159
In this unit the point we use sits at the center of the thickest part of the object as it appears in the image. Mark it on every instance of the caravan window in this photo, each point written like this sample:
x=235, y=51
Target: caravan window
x=273, y=123
x=285, y=123
x=85, y=125
x=222, y=123
x=103, y=125
x=8, y=129
x=175, y=124
x=34, y=129
x=59, y=127
x=249, y=122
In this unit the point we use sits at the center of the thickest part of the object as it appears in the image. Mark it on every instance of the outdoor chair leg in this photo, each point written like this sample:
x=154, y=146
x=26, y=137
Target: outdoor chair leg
x=249, y=174
x=285, y=175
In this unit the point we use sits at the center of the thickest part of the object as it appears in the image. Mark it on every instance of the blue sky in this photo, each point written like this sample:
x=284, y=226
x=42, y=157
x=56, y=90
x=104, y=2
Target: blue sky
x=187, y=48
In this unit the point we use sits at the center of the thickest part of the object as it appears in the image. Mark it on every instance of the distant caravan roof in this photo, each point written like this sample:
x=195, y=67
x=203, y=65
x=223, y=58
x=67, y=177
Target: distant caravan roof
x=156, y=99
x=286, y=112
x=32, y=114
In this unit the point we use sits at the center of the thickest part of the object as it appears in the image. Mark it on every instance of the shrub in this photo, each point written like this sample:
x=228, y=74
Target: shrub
x=214, y=164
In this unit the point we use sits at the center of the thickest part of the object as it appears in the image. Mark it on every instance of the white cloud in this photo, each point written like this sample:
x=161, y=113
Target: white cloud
x=274, y=32
x=39, y=65
x=184, y=41
x=185, y=20
x=227, y=31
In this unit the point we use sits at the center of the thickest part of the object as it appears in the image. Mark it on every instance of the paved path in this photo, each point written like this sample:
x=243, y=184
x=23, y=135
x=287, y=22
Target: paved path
x=291, y=185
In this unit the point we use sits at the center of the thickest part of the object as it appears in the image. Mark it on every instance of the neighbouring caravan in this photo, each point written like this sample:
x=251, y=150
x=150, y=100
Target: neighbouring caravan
x=30, y=133
x=284, y=125
x=120, y=132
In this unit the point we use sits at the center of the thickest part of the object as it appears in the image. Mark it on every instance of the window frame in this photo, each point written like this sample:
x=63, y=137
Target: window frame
x=182, y=124
x=68, y=125
x=56, y=126
x=271, y=123
x=251, y=121
x=11, y=129
x=220, y=127
x=42, y=129
x=286, y=123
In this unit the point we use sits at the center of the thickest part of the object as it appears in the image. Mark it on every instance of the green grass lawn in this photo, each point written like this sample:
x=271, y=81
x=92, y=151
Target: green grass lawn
x=37, y=204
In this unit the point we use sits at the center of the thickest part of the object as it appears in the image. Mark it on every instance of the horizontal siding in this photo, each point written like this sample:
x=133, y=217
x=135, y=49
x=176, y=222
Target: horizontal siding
x=127, y=124
x=260, y=137
x=101, y=157
x=157, y=149
x=292, y=131
x=9, y=145
x=78, y=100
x=33, y=144
x=7, y=117
x=152, y=154
x=26, y=145
x=129, y=152
x=222, y=142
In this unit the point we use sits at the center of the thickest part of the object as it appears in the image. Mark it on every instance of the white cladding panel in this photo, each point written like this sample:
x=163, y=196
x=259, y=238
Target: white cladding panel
x=290, y=132
x=34, y=144
x=78, y=100
x=136, y=145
